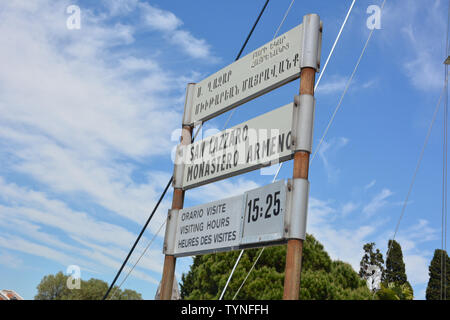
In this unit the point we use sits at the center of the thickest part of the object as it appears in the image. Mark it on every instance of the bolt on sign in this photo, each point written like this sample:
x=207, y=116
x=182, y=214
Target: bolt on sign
x=252, y=219
x=266, y=68
x=248, y=146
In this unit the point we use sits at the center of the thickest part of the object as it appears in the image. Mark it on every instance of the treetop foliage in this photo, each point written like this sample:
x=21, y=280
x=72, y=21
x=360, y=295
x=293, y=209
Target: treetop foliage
x=54, y=287
x=321, y=277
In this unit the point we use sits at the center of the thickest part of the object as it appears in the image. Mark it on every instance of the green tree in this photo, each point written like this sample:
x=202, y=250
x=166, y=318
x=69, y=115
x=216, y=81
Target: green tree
x=371, y=266
x=394, y=279
x=395, y=267
x=392, y=291
x=54, y=287
x=128, y=294
x=435, y=270
x=322, y=278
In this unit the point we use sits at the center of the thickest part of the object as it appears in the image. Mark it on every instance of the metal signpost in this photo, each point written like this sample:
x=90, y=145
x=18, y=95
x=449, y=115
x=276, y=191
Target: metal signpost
x=310, y=66
x=273, y=214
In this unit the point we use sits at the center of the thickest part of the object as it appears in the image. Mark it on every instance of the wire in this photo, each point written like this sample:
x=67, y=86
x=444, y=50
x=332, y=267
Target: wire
x=444, y=90
x=334, y=45
x=443, y=291
x=415, y=171
x=139, y=237
x=274, y=36
x=253, y=28
x=345, y=90
x=232, y=271
x=171, y=179
x=328, y=59
x=444, y=192
x=137, y=261
x=251, y=269
x=226, y=123
x=284, y=18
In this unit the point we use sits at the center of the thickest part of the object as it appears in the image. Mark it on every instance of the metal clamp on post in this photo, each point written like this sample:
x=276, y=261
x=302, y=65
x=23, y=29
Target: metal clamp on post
x=169, y=238
x=178, y=168
x=303, y=122
x=312, y=42
x=297, y=209
x=187, y=115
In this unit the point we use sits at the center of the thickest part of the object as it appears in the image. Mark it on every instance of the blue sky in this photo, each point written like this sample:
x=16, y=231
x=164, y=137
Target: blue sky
x=89, y=118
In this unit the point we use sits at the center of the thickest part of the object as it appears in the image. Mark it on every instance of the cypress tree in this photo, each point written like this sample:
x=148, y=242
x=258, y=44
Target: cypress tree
x=394, y=278
x=434, y=270
x=395, y=267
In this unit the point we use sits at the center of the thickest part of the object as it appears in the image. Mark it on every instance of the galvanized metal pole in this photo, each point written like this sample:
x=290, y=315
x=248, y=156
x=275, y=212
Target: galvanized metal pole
x=310, y=64
x=178, y=197
x=301, y=170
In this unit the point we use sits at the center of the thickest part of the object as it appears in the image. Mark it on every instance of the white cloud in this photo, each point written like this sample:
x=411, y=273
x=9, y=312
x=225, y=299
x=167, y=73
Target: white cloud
x=222, y=189
x=69, y=122
x=80, y=120
x=327, y=152
x=120, y=7
x=335, y=84
x=424, y=42
x=345, y=243
x=169, y=24
x=377, y=202
x=10, y=260
x=158, y=19
x=197, y=48
x=412, y=238
x=423, y=72
x=28, y=205
x=82, y=115
x=349, y=207
x=133, y=64
x=370, y=185
x=98, y=244
x=416, y=268
x=339, y=241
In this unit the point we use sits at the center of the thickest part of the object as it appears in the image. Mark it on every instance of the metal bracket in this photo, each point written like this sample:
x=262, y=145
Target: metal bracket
x=312, y=42
x=297, y=209
x=169, y=238
x=187, y=116
x=303, y=122
x=319, y=50
x=178, y=168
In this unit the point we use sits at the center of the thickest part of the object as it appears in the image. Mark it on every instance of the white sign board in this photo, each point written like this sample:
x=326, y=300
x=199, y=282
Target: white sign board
x=209, y=227
x=245, y=147
x=264, y=214
x=228, y=225
x=264, y=69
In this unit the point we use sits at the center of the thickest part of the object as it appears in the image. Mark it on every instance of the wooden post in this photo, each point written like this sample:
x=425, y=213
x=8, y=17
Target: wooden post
x=301, y=170
x=177, y=203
